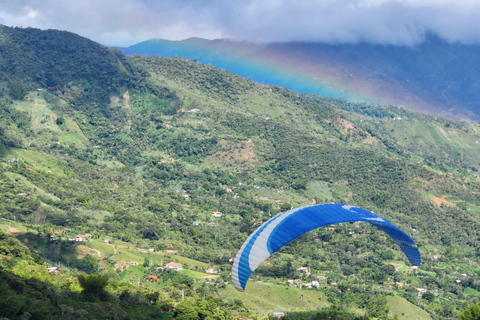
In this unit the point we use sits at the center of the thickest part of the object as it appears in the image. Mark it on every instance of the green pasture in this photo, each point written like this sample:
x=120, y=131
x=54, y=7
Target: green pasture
x=189, y=262
x=4, y=224
x=405, y=310
x=104, y=248
x=319, y=189
x=197, y=274
x=266, y=298
x=471, y=292
x=39, y=161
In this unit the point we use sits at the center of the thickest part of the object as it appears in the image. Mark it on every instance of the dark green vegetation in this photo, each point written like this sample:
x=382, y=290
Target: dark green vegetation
x=472, y=312
x=141, y=151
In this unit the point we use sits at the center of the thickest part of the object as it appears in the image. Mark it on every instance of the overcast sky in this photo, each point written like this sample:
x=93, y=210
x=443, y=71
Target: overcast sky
x=126, y=22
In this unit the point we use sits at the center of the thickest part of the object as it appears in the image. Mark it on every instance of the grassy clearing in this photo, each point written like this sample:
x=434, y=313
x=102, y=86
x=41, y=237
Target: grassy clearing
x=133, y=274
x=95, y=214
x=399, y=266
x=405, y=310
x=342, y=191
x=135, y=254
x=267, y=298
x=421, y=136
x=5, y=224
x=196, y=274
x=189, y=262
x=471, y=292
x=40, y=161
x=127, y=256
x=72, y=138
x=433, y=169
x=319, y=189
x=42, y=117
x=428, y=273
x=44, y=121
x=104, y=248
x=111, y=164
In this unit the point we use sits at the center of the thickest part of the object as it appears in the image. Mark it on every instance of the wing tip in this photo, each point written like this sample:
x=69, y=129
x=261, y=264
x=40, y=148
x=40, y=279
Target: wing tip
x=239, y=287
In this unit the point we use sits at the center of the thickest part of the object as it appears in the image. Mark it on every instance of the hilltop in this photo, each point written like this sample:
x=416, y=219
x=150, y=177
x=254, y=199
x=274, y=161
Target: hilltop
x=434, y=76
x=141, y=151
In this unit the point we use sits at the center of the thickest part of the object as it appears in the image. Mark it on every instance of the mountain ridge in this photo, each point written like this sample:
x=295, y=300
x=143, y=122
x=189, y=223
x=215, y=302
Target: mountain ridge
x=423, y=78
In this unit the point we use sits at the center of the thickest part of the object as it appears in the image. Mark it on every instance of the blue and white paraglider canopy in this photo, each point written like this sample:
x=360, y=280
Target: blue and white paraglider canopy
x=285, y=227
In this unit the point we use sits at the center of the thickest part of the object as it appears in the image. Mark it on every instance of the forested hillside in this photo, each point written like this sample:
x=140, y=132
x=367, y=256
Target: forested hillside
x=435, y=76
x=139, y=152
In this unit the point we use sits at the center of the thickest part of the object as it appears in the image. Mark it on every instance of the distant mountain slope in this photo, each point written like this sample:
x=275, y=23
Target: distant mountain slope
x=435, y=76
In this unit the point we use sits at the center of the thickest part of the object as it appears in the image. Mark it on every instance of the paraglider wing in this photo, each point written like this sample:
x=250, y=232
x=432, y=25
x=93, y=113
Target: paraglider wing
x=287, y=226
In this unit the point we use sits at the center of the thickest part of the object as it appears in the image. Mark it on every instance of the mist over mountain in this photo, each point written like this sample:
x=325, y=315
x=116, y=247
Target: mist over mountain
x=435, y=76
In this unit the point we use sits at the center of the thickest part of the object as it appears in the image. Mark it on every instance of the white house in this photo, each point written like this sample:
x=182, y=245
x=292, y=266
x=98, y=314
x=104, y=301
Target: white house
x=80, y=238
x=216, y=214
x=174, y=265
x=211, y=270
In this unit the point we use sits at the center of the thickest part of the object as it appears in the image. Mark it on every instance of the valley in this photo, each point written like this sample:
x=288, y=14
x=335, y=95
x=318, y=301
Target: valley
x=187, y=159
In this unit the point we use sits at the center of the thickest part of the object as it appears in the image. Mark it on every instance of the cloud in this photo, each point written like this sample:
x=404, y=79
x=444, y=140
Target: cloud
x=125, y=22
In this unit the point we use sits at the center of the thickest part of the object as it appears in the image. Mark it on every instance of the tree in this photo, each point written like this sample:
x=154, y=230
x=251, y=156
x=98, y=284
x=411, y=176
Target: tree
x=285, y=206
x=152, y=297
x=17, y=91
x=88, y=264
x=472, y=312
x=377, y=307
x=93, y=286
x=299, y=184
x=186, y=310
x=428, y=296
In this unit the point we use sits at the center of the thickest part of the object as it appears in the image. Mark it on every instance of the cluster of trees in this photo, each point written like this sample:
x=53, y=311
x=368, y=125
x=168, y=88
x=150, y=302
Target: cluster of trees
x=35, y=294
